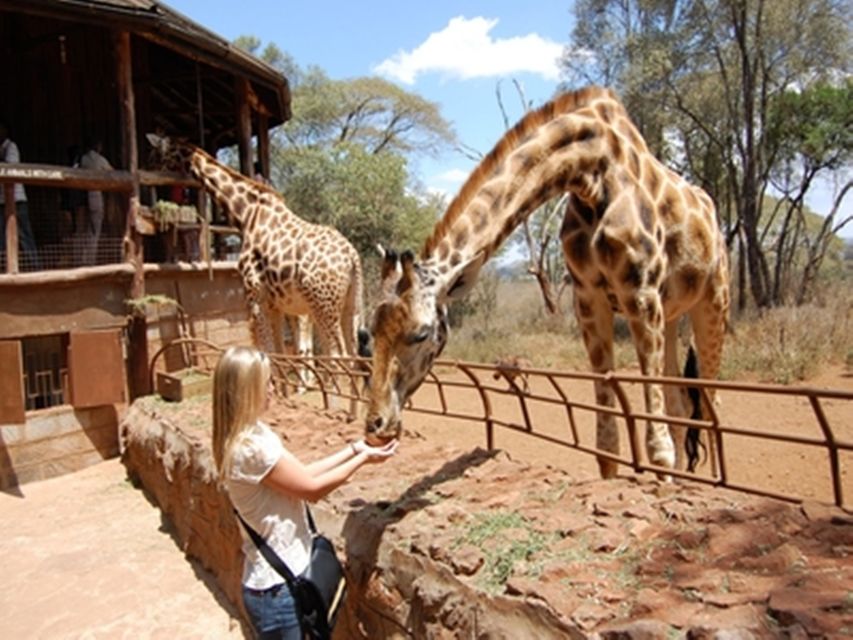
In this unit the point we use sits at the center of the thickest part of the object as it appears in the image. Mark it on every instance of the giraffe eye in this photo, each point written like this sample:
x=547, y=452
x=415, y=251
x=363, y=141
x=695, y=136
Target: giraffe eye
x=419, y=336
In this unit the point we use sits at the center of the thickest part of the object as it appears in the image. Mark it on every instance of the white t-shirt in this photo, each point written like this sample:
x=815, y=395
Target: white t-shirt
x=279, y=519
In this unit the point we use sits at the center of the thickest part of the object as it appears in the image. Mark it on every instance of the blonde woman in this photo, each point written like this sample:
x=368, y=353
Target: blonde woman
x=268, y=485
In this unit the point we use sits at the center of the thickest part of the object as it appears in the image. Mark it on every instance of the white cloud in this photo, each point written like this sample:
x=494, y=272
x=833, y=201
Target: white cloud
x=452, y=177
x=465, y=49
x=447, y=183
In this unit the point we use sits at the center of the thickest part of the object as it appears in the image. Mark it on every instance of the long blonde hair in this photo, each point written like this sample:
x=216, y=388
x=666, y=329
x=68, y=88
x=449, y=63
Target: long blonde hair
x=239, y=395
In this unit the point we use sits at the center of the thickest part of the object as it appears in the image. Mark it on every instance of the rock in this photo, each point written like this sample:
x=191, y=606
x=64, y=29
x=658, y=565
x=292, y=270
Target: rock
x=797, y=607
x=782, y=559
x=467, y=560
x=639, y=630
x=702, y=633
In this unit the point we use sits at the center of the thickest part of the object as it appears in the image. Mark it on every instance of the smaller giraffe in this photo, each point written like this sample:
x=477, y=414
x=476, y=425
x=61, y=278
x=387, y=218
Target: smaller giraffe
x=511, y=368
x=289, y=266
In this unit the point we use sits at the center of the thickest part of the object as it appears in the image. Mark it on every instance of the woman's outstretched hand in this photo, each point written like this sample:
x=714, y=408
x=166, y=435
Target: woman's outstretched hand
x=375, y=454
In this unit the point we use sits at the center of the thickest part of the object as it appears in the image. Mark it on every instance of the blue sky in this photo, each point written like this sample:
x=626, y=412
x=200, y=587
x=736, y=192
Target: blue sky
x=451, y=53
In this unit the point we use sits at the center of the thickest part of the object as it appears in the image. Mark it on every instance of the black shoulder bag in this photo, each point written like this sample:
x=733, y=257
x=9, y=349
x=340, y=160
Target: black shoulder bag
x=318, y=591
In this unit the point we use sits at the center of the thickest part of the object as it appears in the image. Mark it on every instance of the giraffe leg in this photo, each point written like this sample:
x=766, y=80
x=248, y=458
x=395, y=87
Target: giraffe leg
x=647, y=330
x=349, y=332
x=708, y=318
x=304, y=345
x=332, y=339
x=259, y=322
x=276, y=319
x=299, y=328
x=595, y=317
x=674, y=396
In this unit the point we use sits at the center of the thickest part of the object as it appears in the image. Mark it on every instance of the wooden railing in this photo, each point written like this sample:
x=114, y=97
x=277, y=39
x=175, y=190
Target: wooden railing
x=116, y=181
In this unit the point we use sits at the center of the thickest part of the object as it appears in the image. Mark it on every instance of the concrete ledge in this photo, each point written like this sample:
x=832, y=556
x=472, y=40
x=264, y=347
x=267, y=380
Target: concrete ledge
x=56, y=441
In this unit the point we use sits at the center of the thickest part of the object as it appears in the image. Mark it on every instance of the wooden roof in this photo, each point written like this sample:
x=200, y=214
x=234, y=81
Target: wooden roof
x=162, y=25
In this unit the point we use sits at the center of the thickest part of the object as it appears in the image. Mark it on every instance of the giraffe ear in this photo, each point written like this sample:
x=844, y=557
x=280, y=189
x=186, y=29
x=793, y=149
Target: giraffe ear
x=158, y=142
x=408, y=277
x=462, y=279
x=391, y=270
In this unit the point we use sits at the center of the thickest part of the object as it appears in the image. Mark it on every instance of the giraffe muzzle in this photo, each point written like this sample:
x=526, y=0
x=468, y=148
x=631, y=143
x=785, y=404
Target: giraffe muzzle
x=379, y=431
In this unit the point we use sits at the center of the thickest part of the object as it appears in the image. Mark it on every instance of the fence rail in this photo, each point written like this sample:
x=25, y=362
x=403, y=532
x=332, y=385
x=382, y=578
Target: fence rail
x=827, y=413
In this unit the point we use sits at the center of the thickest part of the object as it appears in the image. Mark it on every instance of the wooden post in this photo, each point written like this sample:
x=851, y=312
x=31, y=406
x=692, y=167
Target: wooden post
x=264, y=144
x=11, y=222
x=244, y=125
x=138, y=378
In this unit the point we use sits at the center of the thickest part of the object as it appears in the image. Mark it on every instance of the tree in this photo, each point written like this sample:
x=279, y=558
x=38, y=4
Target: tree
x=717, y=67
x=815, y=132
x=370, y=112
x=342, y=158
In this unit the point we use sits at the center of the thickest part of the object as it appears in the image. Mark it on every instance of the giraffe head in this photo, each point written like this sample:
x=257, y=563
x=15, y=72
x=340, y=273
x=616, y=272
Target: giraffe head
x=409, y=332
x=168, y=155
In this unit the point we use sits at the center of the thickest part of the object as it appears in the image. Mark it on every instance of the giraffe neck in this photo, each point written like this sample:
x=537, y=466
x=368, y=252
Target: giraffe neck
x=231, y=189
x=559, y=148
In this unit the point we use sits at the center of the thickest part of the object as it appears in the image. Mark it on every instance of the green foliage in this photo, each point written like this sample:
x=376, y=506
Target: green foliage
x=369, y=112
x=342, y=158
x=711, y=85
x=360, y=193
x=815, y=125
x=509, y=544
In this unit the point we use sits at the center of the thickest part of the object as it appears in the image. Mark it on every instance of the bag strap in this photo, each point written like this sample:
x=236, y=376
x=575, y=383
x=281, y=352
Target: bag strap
x=311, y=526
x=266, y=551
x=269, y=555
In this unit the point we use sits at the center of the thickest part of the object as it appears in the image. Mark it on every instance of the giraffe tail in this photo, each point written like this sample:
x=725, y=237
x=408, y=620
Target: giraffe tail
x=693, y=441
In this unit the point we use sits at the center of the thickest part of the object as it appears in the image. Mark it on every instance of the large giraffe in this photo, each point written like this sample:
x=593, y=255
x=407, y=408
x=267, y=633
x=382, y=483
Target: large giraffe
x=638, y=240
x=288, y=266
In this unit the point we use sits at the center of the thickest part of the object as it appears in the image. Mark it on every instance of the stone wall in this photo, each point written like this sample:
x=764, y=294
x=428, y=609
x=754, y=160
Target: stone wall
x=445, y=542
x=392, y=591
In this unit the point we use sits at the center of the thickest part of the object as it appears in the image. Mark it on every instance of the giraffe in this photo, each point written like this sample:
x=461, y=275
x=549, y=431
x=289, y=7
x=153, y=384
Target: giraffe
x=288, y=266
x=511, y=368
x=637, y=238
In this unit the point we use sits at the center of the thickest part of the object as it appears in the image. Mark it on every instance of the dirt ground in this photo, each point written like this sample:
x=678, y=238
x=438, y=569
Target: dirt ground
x=87, y=556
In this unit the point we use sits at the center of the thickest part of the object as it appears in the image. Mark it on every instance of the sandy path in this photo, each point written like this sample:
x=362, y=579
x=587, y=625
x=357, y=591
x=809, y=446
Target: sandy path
x=87, y=556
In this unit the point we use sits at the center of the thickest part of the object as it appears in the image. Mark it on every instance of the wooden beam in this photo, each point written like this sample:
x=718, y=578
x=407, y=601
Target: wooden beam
x=48, y=175
x=244, y=125
x=138, y=376
x=130, y=157
x=264, y=144
x=11, y=222
x=167, y=179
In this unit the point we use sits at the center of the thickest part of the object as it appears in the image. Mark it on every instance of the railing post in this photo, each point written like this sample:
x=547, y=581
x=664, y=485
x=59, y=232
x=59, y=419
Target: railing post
x=630, y=423
x=834, y=463
x=487, y=406
x=11, y=222
x=717, y=452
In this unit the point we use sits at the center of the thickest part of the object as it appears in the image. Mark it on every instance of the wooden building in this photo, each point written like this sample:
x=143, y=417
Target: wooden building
x=76, y=335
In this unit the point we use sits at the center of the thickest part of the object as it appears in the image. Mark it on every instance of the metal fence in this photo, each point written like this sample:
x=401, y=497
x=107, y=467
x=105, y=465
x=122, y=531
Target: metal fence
x=815, y=435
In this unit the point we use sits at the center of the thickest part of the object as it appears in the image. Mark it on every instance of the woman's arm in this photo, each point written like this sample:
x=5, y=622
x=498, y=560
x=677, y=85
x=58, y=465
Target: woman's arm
x=329, y=462
x=291, y=477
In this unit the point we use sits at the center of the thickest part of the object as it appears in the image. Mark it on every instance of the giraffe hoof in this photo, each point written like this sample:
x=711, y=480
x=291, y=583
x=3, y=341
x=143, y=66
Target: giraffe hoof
x=608, y=469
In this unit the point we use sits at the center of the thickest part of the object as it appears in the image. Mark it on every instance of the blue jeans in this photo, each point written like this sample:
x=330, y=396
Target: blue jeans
x=272, y=613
